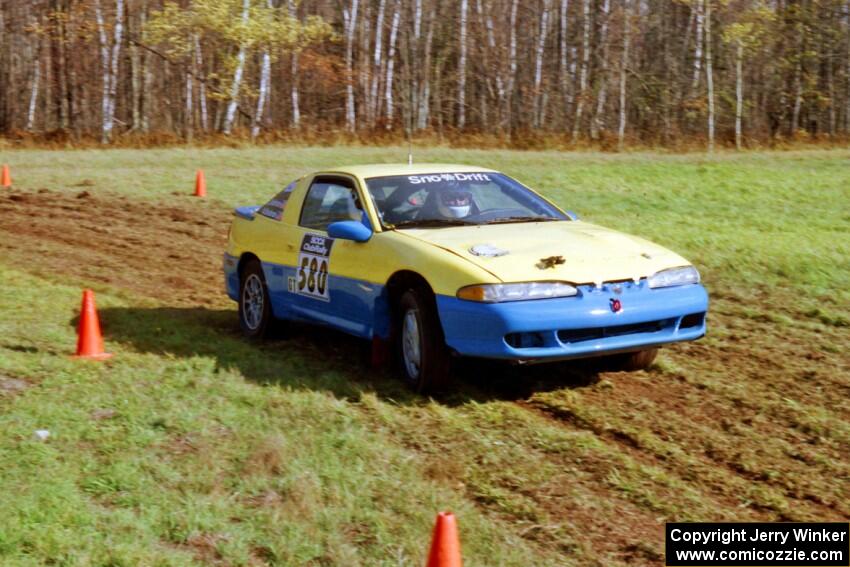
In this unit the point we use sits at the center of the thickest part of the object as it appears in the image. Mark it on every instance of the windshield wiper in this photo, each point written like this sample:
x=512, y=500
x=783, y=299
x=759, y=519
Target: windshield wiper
x=505, y=220
x=429, y=223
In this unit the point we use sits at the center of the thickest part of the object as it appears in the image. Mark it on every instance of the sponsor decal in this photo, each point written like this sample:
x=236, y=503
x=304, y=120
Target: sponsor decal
x=313, y=266
x=616, y=305
x=442, y=177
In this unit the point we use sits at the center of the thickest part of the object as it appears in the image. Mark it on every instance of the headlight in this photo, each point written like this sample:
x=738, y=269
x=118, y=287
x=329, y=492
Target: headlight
x=674, y=276
x=497, y=293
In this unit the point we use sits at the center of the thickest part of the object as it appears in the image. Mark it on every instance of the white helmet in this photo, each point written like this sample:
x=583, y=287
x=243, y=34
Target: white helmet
x=454, y=203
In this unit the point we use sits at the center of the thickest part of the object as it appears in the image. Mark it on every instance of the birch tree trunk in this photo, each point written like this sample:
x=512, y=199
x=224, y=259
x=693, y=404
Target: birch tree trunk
x=265, y=87
x=500, y=79
x=563, y=61
x=798, y=81
x=538, y=61
x=202, y=86
x=698, y=45
x=147, y=77
x=461, y=71
x=512, y=64
x=293, y=92
x=624, y=65
x=189, y=118
x=377, y=63
x=598, y=122
x=293, y=71
x=265, y=79
x=709, y=76
x=135, y=75
x=739, y=92
x=388, y=93
x=233, y=103
x=36, y=83
x=847, y=72
x=109, y=65
x=424, y=95
x=349, y=15
x=585, y=60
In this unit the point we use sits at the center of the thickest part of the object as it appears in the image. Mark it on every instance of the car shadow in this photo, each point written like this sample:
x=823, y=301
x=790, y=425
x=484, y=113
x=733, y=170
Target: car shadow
x=311, y=357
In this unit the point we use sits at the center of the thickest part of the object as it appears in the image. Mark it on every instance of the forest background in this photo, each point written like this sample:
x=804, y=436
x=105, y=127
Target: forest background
x=539, y=73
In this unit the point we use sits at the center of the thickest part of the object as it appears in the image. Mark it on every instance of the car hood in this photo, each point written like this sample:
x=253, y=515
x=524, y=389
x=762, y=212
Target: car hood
x=590, y=253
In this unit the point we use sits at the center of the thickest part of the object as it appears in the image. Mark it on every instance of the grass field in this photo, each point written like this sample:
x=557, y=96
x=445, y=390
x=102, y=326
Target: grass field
x=192, y=445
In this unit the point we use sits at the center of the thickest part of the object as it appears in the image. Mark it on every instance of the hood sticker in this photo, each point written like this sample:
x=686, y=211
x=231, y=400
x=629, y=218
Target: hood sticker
x=488, y=251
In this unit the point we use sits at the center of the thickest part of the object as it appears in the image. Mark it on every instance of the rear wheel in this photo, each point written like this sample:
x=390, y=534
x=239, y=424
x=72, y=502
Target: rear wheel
x=255, y=313
x=423, y=358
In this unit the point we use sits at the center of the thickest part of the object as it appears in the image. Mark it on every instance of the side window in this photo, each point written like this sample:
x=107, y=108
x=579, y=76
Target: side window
x=328, y=202
x=274, y=208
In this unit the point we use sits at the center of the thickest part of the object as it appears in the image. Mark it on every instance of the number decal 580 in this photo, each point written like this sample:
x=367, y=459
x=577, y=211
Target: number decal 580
x=313, y=263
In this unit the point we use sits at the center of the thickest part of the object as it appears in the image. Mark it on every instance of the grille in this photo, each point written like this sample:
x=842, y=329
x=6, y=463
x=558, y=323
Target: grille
x=579, y=335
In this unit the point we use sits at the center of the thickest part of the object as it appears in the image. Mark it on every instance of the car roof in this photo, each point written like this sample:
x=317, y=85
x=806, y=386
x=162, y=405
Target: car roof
x=387, y=169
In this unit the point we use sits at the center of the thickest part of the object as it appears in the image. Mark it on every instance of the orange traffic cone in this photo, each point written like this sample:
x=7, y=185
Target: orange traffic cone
x=445, y=544
x=200, y=184
x=89, y=339
x=5, y=177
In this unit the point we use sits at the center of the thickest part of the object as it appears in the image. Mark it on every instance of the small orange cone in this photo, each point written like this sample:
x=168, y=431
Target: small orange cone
x=89, y=339
x=5, y=177
x=200, y=184
x=445, y=544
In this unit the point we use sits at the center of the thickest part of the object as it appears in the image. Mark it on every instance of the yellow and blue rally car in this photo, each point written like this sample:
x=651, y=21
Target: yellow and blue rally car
x=446, y=260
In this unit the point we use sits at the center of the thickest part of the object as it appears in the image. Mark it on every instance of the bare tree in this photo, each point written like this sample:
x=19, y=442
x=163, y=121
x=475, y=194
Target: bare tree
x=265, y=79
x=109, y=63
x=388, y=93
x=233, y=103
x=202, y=86
x=700, y=25
x=293, y=72
x=378, y=63
x=461, y=71
x=624, y=65
x=350, y=27
x=34, y=88
x=538, y=61
x=563, y=69
x=598, y=119
x=585, y=61
x=709, y=75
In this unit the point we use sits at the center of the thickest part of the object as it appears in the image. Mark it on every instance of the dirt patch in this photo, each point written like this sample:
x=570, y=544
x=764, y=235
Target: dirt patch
x=168, y=251
x=12, y=386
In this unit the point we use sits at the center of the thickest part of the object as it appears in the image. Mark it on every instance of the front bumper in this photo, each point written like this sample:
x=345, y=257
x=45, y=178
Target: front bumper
x=575, y=327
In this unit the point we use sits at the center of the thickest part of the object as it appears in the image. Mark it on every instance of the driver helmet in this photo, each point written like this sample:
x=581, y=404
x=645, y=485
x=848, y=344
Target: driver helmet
x=454, y=203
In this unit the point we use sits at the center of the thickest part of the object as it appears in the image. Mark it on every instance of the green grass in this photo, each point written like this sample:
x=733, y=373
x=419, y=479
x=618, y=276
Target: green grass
x=194, y=446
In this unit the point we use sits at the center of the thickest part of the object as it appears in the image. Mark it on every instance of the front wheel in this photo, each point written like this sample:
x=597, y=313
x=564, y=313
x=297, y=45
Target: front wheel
x=421, y=349
x=255, y=313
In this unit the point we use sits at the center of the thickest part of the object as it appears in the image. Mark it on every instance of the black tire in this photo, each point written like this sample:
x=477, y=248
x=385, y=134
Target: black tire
x=640, y=360
x=255, y=310
x=432, y=370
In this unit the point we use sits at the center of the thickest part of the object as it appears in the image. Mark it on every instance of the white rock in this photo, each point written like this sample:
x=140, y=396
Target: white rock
x=42, y=434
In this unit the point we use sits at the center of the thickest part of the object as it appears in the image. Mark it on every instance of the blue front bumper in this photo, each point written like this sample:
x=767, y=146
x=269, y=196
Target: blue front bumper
x=575, y=327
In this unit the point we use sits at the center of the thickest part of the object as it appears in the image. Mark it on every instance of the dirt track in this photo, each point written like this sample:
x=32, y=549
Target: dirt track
x=144, y=247
x=756, y=424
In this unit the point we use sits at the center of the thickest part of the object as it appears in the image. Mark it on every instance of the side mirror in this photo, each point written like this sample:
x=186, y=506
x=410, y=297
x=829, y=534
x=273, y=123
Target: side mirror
x=572, y=214
x=349, y=230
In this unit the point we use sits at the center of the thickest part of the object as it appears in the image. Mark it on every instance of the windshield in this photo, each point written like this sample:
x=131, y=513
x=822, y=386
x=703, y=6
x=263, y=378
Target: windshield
x=456, y=198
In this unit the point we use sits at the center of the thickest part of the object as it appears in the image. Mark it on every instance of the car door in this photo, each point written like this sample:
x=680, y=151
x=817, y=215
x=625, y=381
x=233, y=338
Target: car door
x=330, y=284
